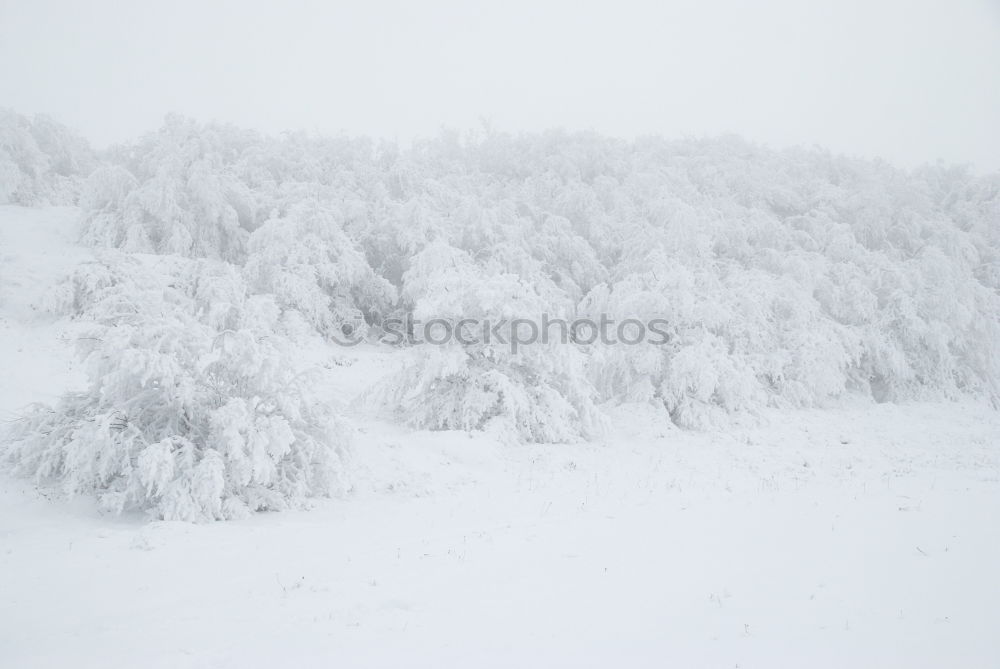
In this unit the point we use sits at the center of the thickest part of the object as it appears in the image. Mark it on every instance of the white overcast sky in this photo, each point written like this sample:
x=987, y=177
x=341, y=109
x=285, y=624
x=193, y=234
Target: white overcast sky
x=908, y=80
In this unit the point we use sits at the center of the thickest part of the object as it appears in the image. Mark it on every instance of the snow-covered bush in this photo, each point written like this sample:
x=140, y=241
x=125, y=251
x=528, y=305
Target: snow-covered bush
x=174, y=193
x=41, y=161
x=194, y=409
x=310, y=265
x=536, y=392
x=735, y=341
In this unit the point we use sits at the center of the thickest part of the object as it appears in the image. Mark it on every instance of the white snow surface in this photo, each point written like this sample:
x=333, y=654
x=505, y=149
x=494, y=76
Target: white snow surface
x=859, y=535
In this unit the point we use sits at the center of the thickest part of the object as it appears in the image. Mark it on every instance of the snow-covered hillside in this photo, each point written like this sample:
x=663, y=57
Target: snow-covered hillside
x=861, y=534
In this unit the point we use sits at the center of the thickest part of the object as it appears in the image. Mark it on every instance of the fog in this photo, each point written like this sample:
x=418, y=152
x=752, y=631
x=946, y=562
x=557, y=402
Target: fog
x=908, y=81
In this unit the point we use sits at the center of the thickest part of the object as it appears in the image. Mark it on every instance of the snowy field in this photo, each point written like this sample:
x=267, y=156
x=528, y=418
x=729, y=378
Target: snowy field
x=860, y=535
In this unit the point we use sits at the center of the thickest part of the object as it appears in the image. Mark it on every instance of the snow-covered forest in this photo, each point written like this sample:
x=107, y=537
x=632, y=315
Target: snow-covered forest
x=785, y=278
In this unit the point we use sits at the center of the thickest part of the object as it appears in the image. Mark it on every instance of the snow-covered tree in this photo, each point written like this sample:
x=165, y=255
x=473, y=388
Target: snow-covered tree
x=310, y=265
x=41, y=161
x=174, y=192
x=480, y=378
x=194, y=409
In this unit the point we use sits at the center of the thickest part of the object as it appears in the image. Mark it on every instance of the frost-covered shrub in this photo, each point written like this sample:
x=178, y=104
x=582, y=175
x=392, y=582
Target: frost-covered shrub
x=307, y=262
x=200, y=190
x=117, y=287
x=194, y=409
x=793, y=314
x=174, y=192
x=453, y=388
x=41, y=161
x=538, y=392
